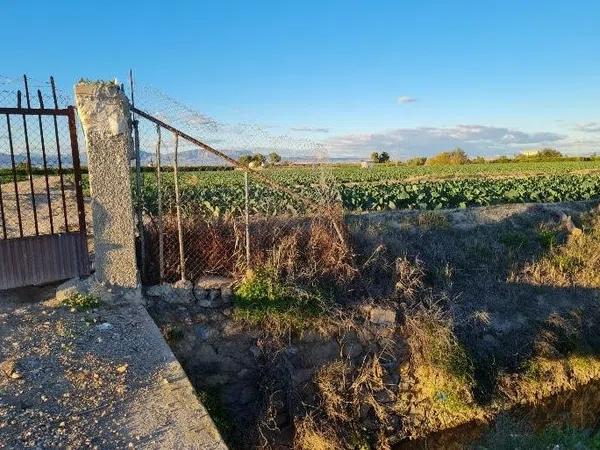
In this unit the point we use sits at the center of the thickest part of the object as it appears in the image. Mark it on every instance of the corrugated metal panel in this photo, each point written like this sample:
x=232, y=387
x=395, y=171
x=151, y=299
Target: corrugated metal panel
x=42, y=259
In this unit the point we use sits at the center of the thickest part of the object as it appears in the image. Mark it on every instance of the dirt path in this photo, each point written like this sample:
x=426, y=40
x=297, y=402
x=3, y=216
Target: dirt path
x=103, y=378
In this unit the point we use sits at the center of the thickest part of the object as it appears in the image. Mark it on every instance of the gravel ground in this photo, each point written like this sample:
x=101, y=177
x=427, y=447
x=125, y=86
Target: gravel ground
x=102, y=378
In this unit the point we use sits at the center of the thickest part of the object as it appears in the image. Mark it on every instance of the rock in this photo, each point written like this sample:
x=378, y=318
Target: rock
x=204, y=353
x=319, y=353
x=72, y=287
x=104, y=326
x=8, y=367
x=226, y=295
x=200, y=293
x=213, y=300
x=158, y=290
x=567, y=222
x=205, y=332
x=183, y=289
x=214, y=282
x=255, y=351
x=216, y=380
x=179, y=293
x=382, y=316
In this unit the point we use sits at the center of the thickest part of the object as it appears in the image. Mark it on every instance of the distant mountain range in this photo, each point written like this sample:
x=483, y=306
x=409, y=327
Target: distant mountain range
x=192, y=157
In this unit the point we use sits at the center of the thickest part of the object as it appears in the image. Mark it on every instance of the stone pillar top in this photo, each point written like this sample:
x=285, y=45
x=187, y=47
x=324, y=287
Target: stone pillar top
x=102, y=107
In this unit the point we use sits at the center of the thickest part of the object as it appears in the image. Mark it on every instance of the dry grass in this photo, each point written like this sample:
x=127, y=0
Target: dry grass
x=311, y=436
x=409, y=278
x=574, y=263
x=306, y=249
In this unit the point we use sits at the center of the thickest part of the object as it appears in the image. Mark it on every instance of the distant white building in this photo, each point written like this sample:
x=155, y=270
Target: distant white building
x=530, y=152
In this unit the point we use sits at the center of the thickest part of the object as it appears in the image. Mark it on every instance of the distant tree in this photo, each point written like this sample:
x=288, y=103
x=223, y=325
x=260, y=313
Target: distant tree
x=259, y=159
x=479, y=160
x=454, y=157
x=384, y=157
x=418, y=161
x=274, y=158
x=245, y=159
x=375, y=157
x=549, y=153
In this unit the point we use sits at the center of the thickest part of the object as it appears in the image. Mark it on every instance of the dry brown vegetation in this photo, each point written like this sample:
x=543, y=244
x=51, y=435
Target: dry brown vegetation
x=297, y=248
x=490, y=312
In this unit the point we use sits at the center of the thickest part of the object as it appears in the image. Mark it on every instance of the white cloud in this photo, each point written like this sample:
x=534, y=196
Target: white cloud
x=404, y=99
x=425, y=141
x=589, y=127
x=311, y=129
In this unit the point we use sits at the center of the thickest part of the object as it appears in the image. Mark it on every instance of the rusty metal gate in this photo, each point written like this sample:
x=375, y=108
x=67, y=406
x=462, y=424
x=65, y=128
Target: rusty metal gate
x=42, y=211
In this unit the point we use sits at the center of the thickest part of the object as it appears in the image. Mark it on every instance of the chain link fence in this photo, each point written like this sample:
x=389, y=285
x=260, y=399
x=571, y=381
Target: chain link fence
x=217, y=198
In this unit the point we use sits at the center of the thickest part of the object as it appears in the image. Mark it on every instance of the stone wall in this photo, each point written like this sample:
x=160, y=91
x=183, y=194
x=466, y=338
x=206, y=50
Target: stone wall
x=248, y=370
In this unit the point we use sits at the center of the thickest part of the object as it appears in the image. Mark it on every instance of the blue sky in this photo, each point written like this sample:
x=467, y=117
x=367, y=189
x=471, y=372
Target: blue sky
x=409, y=77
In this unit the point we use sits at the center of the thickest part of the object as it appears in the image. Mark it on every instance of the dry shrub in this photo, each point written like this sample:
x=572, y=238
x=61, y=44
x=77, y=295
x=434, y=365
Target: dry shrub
x=333, y=384
x=349, y=397
x=302, y=250
x=431, y=341
x=409, y=278
x=298, y=248
x=576, y=262
x=311, y=436
x=210, y=247
x=437, y=391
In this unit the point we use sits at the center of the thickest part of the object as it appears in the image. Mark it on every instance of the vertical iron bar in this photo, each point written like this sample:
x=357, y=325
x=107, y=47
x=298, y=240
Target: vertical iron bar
x=247, y=216
x=14, y=171
x=160, y=217
x=2, y=212
x=78, y=186
x=29, y=171
x=138, y=179
x=41, y=101
x=76, y=169
x=178, y=207
x=60, y=171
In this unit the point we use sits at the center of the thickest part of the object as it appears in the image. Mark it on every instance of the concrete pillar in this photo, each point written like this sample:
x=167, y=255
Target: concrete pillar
x=104, y=113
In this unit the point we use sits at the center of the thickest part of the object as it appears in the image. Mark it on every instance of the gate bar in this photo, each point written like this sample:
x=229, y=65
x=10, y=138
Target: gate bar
x=2, y=213
x=77, y=170
x=14, y=171
x=41, y=100
x=35, y=221
x=62, y=181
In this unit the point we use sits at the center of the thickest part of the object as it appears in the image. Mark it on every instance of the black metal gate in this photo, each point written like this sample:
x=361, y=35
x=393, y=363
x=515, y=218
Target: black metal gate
x=42, y=211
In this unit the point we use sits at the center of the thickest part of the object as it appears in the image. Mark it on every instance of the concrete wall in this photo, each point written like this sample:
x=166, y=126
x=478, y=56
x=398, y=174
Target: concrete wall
x=104, y=113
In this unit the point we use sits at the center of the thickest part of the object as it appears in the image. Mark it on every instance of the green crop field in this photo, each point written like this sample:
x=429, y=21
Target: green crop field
x=382, y=187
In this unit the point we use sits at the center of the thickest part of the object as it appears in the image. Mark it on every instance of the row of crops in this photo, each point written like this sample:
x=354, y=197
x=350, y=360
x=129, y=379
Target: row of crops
x=386, y=173
x=218, y=199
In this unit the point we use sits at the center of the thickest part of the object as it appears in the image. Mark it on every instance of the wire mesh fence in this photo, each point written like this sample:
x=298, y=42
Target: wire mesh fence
x=215, y=197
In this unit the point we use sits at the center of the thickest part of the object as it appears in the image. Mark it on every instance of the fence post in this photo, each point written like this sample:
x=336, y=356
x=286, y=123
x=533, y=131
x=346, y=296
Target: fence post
x=104, y=113
x=247, y=216
x=178, y=209
x=161, y=242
